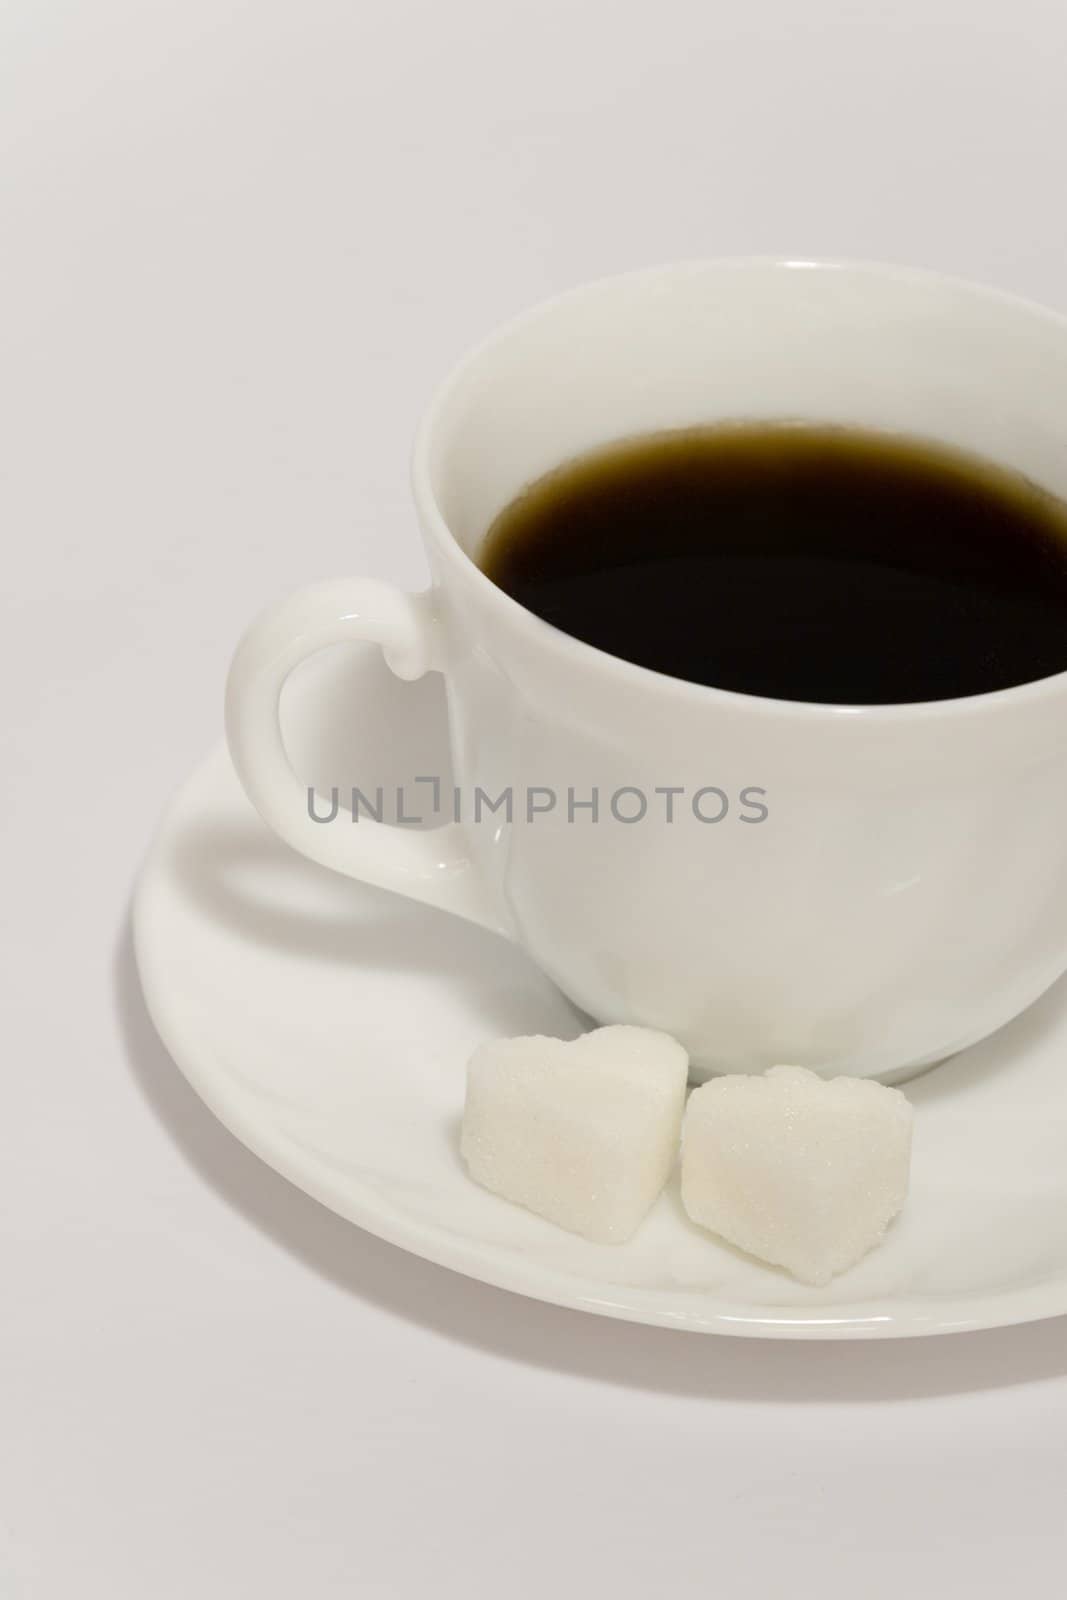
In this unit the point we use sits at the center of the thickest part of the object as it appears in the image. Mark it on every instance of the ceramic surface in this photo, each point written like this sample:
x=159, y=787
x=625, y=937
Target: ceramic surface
x=906, y=892
x=328, y=1025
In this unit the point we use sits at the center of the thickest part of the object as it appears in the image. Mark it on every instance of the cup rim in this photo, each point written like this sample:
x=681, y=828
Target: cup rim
x=578, y=653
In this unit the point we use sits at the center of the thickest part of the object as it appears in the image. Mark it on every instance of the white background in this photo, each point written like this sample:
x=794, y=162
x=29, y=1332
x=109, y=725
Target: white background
x=239, y=243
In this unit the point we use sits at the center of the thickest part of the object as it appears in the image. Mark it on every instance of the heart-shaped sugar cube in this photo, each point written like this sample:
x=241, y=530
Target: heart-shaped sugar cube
x=801, y=1171
x=583, y=1132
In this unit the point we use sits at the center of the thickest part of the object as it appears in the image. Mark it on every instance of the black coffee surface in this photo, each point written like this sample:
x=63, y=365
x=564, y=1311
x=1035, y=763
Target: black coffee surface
x=804, y=563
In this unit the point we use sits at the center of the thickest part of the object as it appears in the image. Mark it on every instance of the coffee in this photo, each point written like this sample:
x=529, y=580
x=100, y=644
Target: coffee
x=800, y=562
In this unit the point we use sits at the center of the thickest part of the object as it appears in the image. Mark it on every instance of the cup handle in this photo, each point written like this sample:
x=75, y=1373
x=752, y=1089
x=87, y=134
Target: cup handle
x=432, y=865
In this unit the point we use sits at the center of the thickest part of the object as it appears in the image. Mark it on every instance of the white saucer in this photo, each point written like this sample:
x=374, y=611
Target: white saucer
x=328, y=1026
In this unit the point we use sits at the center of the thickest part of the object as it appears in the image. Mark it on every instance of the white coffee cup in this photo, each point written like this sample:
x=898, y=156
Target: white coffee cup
x=905, y=892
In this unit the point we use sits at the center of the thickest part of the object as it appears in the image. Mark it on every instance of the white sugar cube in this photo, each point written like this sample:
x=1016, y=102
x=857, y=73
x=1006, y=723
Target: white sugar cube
x=584, y=1133
x=801, y=1171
